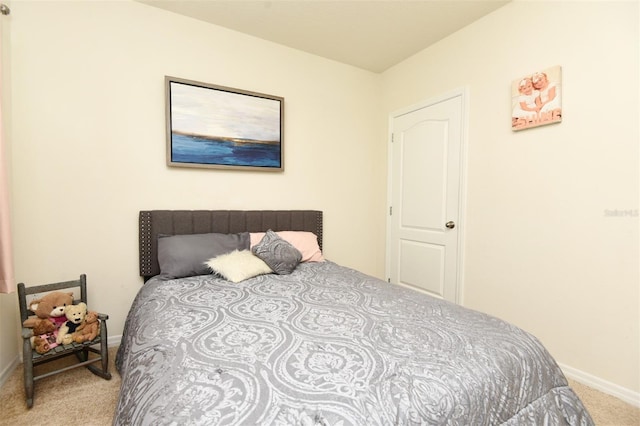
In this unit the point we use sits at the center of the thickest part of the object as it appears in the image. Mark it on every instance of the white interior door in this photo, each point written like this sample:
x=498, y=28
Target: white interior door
x=425, y=197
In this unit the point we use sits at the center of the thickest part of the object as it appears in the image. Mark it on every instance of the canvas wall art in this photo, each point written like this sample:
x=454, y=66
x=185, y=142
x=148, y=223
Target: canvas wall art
x=536, y=99
x=214, y=126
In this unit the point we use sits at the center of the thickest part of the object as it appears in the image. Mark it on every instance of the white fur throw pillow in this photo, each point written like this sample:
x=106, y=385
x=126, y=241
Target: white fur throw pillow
x=238, y=266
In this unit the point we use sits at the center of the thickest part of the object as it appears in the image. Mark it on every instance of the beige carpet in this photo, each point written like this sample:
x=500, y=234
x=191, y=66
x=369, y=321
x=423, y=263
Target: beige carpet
x=75, y=397
x=79, y=397
x=606, y=410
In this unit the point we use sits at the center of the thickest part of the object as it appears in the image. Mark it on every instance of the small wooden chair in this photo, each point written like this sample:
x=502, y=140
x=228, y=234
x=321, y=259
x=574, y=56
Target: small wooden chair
x=81, y=350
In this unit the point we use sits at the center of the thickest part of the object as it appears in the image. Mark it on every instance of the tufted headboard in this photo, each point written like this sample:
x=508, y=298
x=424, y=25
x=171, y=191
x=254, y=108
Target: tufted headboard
x=178, y=222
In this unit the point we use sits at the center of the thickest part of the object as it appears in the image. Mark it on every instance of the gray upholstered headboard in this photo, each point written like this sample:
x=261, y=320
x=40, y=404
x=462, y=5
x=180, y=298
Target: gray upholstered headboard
x=178, y=222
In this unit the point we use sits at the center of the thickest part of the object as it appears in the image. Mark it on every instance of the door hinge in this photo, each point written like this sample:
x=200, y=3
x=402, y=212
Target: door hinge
x=390, y=210
x=389, y=280
x=392, y=138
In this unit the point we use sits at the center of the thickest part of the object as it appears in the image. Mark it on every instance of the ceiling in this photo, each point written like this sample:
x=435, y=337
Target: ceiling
x=372, y=35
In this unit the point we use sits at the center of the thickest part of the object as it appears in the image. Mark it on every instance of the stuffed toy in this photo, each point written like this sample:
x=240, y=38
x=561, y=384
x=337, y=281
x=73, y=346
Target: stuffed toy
x=43, y=326
x=74, y=314
x=40, y=345
x=89, y=329
x=50, y=306
x=43, y=336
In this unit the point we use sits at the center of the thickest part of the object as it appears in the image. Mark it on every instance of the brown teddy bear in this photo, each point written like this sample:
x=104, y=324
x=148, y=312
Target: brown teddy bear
x=75, y=315
x=49, y=306
x=40, y=345
x=89, y=329
x=43, y=326
x=43, y=336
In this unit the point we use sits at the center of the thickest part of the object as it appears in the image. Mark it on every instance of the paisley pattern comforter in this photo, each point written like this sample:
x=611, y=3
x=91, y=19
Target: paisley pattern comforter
x=328, y=345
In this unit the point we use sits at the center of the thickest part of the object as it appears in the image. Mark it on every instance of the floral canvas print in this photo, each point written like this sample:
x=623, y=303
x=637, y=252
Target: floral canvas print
x=536, y=99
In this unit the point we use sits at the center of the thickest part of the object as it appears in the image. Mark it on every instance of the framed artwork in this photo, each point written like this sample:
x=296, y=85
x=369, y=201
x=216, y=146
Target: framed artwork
x=220, y=127
x=536, y=99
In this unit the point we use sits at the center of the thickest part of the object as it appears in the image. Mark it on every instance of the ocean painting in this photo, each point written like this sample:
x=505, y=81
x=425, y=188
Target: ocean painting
x=220, y=127
x=199, y=150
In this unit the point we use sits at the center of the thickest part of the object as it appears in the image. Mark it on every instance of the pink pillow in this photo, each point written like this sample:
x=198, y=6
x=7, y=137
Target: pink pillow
x=305, y=242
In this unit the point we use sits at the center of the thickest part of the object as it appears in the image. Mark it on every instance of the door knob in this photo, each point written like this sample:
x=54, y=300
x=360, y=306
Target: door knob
x=450, y=224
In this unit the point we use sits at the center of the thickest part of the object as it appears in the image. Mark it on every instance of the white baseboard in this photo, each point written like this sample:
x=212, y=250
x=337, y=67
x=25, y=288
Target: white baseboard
x=114, y=340
x=627, y=395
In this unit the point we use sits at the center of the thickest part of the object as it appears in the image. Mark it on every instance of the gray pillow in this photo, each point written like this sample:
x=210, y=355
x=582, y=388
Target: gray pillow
x=184, y=255
x=280, y=255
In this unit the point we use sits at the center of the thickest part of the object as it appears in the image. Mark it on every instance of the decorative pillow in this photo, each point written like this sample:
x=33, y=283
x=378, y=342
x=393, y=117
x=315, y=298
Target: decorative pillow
x=184, y=255
x=280, y=255
x=305, y=242
x=238, y=266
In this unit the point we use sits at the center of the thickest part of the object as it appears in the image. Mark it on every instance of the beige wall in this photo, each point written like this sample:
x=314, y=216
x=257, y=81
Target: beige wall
x=88, y=146
x=8, y=303
x=541, y=251
x=89, y=141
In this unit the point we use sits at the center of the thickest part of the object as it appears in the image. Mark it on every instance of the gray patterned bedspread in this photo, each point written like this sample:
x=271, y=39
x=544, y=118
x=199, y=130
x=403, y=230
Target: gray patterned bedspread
x=328, y=345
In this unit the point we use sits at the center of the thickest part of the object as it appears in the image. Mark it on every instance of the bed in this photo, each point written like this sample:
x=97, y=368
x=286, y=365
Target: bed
x=321, y=345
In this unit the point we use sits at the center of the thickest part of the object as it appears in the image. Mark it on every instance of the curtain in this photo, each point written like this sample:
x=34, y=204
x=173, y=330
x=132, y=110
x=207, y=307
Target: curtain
x=7, y=282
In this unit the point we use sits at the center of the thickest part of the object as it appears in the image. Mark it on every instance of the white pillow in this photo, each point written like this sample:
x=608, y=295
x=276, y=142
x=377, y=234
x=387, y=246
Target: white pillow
x=238, y=266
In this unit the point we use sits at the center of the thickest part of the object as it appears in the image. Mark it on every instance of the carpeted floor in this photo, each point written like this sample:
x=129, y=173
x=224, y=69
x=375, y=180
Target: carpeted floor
x=75, y=397
x=79, y=397
x=606, y=410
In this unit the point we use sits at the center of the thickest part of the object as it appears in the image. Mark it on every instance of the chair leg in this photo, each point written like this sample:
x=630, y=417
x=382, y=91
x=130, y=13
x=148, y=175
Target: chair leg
x=104, y=354
x=104, y=348
x=82, y=355
x=28, y=371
